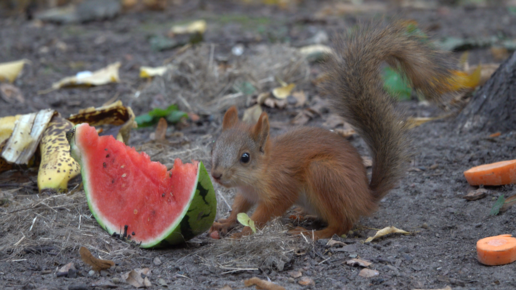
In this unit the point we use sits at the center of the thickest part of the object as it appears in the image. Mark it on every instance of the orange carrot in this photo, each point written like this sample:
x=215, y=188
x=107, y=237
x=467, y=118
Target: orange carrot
x=497, y=250
x=499, y=173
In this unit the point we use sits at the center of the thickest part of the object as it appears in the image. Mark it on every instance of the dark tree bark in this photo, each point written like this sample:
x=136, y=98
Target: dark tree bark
x=493, y=107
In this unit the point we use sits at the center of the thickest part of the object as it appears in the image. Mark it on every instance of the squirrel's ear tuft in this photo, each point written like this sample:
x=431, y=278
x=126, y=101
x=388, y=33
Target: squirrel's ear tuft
x=261, y=129
x=230, y=118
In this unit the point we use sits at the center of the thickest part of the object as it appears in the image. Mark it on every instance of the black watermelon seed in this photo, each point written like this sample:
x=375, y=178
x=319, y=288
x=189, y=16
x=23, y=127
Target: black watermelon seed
x=105, y=149
x=163, y=195
x=133, y=233
x=104, y=164
x=112, y=181
x=107, y=156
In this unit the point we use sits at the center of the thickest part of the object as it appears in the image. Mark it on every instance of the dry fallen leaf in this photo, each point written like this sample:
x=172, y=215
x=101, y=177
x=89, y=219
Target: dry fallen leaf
x=368, y=273
x=198, y=26
x=161, y=130
x=10, y=70
x=148, y=72
x=414, y=122
x=305, y=281
x=295, y=274
x=262, y=98
x=252, y=114
x=333, y=121
x=499, y=53
x=95, y=263
x=358, y=262
x=11, y=94
x=316, y=51
x=262, y=284
x=102, y=76
x=333, y=242
x=386, y=231
x=135, y=279
x=486, y=72
x=476, y=194
x=300, y=97
x=284, y=91
x=302, y=118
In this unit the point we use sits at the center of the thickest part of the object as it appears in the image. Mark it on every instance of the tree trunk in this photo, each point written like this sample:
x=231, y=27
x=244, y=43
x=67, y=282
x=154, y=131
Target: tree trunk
x=493, y=107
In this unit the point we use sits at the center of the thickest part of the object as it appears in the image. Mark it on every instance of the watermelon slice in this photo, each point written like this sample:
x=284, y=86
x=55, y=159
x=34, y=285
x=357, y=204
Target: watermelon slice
x=138, y=199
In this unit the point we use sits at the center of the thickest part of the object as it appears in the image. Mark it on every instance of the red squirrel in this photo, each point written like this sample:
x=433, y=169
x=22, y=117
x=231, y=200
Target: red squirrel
x=315, y=168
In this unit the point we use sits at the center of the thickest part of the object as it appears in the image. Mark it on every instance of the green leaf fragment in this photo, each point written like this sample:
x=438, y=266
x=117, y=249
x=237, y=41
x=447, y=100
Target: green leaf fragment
x=245, y=88
x=498, y=205
x=245, y=220
x=171, y=113
x=395, y=84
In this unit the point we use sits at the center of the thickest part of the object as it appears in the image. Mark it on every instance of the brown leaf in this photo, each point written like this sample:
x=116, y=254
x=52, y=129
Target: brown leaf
x=262, y=284
x=252, y=114
x=161, y=130
x=300, y=97
x=302, y=118
x=358, y=262
x=135, y=279
x=333, y=121
x=368, y=273
x=194, y=117
x=476, y=194
x=295, y=274
x=269, y=102
x=333, y=242
x=499, y=53
x=305, y=281
x=11, y=94
x=263, y=97
x=95, y=263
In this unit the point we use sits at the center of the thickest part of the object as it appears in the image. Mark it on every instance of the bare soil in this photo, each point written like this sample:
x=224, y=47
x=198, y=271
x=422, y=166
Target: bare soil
x=41, y=233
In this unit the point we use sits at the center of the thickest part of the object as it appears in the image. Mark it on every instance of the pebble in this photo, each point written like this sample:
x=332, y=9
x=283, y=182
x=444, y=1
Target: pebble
x=157, y=261
x=91, y=273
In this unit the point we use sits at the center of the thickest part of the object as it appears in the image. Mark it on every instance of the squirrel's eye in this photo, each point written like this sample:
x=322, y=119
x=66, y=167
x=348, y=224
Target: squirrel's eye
x=245, y=157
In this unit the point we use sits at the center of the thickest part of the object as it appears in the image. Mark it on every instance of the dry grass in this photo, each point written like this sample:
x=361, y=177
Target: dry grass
x=197, y=82
x=269, y=248
x=53, y=223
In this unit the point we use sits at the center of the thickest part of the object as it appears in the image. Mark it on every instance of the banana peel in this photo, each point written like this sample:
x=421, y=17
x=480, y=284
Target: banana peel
x=57, y=167
x=21, y=135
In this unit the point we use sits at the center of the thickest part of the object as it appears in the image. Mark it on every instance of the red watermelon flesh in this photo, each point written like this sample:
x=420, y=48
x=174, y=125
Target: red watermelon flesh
x=125, y=188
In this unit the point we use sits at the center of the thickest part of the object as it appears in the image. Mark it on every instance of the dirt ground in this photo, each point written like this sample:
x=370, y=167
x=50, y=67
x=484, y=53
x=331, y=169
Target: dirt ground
x=42, y=233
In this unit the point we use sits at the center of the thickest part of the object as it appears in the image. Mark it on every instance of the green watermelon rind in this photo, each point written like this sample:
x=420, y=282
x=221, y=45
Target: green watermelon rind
x=194, y=220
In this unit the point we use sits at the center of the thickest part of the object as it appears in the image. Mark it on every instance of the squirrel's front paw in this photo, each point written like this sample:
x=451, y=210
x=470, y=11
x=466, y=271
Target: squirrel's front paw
x=246, y=231
x=222, y=225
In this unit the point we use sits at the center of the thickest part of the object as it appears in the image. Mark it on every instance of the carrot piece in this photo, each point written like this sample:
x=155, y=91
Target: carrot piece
x=498, y=173
x=497, y=250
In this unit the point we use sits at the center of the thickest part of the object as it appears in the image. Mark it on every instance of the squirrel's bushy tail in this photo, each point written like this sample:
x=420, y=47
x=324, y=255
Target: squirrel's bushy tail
x=355, y=86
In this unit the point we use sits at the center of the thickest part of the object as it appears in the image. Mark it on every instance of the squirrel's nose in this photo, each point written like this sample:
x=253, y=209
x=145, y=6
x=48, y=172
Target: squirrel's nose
x=217, y=175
